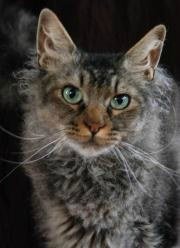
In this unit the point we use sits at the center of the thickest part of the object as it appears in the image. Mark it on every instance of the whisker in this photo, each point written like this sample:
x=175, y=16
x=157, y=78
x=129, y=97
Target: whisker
x=9, y=161
x=19, y=165
x=145, y=156
x=8, y=174
x=44, y=156
x=173, y=135
x=20, y=137
x=125, y=166
x=42, y=148
x=39, y=136
x=28, y=160
x=133, y=174
x=27, y=152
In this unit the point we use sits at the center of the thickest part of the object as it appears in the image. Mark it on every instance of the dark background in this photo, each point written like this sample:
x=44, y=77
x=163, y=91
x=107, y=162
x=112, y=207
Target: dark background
x=94, y=25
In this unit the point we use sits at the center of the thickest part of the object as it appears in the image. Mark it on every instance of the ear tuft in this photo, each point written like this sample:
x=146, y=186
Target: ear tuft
x=53, y=40
x=145, y=55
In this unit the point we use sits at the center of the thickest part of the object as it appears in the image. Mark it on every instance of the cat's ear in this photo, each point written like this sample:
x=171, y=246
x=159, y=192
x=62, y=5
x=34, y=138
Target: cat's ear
x=53, y=40
x=144, y=56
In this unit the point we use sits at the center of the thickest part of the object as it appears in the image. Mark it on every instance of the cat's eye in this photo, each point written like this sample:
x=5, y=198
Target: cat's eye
x=72, y=95
x=120, y=101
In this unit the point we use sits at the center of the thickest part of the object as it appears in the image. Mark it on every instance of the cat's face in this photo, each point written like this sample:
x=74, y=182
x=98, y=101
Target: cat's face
x=93, y=103
x=97, y=101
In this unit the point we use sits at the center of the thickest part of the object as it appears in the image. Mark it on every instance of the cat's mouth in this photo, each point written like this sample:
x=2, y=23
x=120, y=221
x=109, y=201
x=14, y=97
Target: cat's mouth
x=90, y=145
x=91, y=140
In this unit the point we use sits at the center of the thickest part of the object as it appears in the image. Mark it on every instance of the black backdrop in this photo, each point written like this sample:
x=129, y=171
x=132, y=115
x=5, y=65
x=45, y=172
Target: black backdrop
x=94, y=25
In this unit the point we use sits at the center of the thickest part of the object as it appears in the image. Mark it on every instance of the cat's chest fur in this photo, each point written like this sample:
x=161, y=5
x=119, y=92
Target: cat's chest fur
x=79, y=210
x=96, y=193
x=65, y=231
x=62, y=230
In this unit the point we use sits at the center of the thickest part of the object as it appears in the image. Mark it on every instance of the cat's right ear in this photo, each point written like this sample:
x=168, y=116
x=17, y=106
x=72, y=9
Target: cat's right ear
x=145, y=55
x=53, y=41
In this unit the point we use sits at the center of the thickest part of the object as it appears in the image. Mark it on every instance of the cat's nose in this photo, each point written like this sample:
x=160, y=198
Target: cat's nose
x=93, y=127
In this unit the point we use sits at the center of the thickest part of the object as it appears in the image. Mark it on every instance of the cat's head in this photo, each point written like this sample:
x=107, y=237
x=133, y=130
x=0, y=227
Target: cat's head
x=97, y=100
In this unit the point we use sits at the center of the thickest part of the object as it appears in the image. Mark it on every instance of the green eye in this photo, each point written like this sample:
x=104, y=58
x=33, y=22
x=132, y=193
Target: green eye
x=72, y=94
x=120, y=101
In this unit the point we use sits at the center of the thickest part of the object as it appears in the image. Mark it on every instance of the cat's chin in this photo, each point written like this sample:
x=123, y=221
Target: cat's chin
x=90, y=150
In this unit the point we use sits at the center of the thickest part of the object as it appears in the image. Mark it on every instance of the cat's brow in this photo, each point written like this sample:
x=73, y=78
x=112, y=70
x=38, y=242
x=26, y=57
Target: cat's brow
x=81, y=79
x=114, y=84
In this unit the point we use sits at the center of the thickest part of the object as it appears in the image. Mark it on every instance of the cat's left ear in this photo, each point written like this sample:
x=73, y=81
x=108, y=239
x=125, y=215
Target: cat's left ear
x=144, y=56
x=53, y=41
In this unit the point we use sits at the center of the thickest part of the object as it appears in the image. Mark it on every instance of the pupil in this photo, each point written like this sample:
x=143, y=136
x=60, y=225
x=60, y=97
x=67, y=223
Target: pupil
x=120, y=100
x=72, y=93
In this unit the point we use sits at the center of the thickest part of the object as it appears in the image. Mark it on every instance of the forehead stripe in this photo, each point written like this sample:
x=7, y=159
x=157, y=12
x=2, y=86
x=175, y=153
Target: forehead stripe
x=81, y=79
x=114, y=83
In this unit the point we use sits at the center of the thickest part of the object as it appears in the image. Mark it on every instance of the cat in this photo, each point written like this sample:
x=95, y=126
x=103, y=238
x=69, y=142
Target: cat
x=98, y=142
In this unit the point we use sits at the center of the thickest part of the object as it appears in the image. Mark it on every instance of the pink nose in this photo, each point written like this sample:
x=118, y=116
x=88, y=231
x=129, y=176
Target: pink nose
x=94, y=127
